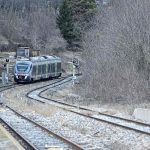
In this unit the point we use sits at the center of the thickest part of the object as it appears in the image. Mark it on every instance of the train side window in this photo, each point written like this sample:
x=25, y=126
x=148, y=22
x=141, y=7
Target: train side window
x=58, y=67
x=53, y=67
x=49, y=68
x=34, y=71
x=44, y=69
x=39, y=69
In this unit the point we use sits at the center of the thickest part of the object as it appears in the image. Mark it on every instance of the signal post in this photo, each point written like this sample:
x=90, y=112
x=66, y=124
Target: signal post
x=5, y=72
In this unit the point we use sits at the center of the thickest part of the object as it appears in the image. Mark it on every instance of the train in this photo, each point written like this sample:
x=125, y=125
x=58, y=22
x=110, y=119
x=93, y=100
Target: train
x=37, y=68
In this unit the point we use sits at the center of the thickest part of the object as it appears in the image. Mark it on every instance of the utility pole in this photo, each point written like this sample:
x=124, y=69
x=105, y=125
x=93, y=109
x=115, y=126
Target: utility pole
x=7, y=69
x=4, y=74
x=73, y=74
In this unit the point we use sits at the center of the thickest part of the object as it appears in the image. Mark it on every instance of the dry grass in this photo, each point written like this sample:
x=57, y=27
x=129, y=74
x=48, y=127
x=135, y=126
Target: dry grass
x=18, y=101
x=67, y=94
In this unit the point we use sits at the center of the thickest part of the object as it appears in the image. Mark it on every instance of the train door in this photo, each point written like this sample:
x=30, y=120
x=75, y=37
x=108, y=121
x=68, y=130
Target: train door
x=56, y=69
x=43, y=71
x=59, y=69
x=34, y=72
x=53, y=69
x=49, y=70
x=39, y=71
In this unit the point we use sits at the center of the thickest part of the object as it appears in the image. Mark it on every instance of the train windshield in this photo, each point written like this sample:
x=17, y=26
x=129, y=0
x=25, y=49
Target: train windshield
x=22, y=67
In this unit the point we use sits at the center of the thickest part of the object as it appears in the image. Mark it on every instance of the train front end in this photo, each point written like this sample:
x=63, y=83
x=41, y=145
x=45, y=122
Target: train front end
x=22, y=71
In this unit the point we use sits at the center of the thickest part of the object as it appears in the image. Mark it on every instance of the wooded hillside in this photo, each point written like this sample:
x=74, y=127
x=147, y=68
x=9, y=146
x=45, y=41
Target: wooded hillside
x=41, y=24
x=117, y=53
x=30, y=23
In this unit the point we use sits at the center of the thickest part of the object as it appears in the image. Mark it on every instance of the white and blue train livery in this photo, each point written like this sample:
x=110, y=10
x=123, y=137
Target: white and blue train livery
x=37, y=68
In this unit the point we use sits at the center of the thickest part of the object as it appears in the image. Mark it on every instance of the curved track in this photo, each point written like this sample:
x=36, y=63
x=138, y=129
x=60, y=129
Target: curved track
x=81, y=110
x=70, y=144
x=36, y=95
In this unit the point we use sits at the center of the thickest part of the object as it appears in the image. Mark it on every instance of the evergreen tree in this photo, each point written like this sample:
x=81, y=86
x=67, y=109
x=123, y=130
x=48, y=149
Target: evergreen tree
x=83, y=11
x=66, y=24
x=82, y=6
x=74, y=17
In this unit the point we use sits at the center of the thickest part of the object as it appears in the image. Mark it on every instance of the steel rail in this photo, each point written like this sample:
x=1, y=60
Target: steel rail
x=106, y=121
x=22, y=84
x=93, y=111
x=116, y=117
x=27, y=94
x=28, y=145
x=113, y=123
x=4, y=88
x=61, y=79
x=67, y=141
x=103, y=120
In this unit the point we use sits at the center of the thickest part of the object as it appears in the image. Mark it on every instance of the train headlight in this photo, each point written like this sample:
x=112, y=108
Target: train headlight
x=16, y=76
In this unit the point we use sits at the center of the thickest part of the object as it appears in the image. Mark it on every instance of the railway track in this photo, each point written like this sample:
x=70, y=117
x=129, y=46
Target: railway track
x=24, y=142
x=36, y=94
x=34, y=135
x=5, y=87
x=75, y=146
x=12, y=85
x=57, y=83
x=128, y=124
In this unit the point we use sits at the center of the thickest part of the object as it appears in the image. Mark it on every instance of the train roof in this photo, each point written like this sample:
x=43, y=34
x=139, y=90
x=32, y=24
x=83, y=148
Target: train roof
x=41, y=58
x=22, y=47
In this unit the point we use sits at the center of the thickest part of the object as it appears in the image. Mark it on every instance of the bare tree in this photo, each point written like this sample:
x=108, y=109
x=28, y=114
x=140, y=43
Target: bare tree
x=30, y=23
x=117, y=53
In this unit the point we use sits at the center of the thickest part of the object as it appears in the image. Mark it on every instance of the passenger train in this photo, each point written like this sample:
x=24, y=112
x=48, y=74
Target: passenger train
x=37, y=68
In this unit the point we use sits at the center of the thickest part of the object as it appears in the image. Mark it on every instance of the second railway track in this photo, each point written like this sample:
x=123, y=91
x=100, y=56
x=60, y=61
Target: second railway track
x=36, y=95
x=129, y=124
x=37, y=136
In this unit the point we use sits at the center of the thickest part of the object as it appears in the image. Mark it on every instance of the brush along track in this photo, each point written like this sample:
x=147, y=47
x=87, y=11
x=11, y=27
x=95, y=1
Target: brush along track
x=39, y=136
x=87, y=112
